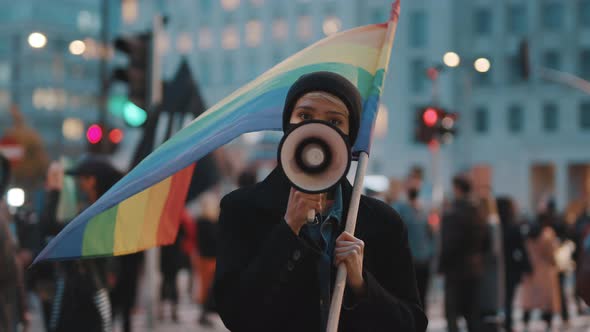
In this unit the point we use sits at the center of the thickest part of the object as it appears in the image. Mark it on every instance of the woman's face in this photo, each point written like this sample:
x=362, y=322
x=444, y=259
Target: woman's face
x=321, y=106
x=87, y=185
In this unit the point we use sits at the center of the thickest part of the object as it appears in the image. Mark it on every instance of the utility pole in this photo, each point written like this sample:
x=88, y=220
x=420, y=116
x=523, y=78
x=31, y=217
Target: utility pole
x=154, y=100
x=104, y=75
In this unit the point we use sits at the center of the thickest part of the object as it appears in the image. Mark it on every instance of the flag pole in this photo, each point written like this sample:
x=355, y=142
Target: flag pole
x=340, y=284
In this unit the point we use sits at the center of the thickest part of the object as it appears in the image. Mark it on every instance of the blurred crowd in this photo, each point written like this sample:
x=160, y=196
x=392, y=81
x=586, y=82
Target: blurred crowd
x=484, y=246
x=486, y=250
x=94, y=294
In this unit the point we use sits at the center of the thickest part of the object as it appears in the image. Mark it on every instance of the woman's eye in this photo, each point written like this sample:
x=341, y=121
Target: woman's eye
x=304, y=116
x=335, y=122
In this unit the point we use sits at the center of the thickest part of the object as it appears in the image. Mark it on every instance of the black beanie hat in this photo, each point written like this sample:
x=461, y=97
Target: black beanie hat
x=331, y=83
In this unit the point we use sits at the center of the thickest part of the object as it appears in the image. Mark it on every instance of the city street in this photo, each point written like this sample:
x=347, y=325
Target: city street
x=189, y=313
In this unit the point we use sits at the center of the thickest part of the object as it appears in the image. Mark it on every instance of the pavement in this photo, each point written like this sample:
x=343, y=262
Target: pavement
x=189, y=312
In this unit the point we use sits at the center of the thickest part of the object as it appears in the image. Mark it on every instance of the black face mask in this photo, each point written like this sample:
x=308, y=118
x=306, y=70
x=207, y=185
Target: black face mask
x=413, y=194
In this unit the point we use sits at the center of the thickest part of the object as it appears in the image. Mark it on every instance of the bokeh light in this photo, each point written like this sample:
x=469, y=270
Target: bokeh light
x=77, y=47
x=451, y=59
x=482, y=65
x=37, y=40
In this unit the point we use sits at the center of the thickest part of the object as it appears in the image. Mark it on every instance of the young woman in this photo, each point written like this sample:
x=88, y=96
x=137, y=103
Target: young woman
x=275, y=271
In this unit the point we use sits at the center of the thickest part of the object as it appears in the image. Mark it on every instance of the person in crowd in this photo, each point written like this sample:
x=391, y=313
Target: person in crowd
x=583, y=266
x=81, y=300
x=549, y=212
x=13, y=304
x=420, y=237
x=516, y=259
x=540, y=290
x=275, y=271
x=463, y=238
x=171, y=260
x=394, y=191
x=582, y=255
x=124, y=292
x=206, y=253
x=492, y=284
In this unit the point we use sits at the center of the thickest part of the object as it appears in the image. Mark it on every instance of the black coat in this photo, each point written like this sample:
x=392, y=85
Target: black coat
x=464, y=240
x=266, y=276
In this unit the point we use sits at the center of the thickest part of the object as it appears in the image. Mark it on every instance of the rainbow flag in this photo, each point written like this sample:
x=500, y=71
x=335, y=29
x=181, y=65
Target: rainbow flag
x=142, y=209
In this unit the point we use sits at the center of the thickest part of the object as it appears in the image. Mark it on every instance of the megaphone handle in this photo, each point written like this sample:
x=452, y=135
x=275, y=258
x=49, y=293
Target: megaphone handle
x=311, y=215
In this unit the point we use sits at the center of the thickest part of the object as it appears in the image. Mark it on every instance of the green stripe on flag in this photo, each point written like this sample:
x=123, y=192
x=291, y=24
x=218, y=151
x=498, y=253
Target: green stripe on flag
x=99, y=235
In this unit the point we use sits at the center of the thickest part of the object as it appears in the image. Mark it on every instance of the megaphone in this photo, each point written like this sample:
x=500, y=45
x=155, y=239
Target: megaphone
x=314, y=156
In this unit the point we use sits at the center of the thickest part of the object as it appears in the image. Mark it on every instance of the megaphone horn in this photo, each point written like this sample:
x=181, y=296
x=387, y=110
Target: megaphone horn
x=314, y=156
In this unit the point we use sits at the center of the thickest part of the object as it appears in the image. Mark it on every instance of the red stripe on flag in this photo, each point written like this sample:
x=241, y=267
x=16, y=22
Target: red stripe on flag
x=170, y=219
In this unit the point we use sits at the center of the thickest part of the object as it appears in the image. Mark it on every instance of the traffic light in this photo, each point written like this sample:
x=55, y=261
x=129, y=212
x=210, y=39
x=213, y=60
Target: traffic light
x=434, y=124
x=524, y=59
x=136, y=75
x=102, y=140
x=426, y=120
x=447, y=129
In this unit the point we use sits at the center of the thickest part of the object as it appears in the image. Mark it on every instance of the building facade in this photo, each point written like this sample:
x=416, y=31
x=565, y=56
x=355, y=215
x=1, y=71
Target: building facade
x=527, y=137
x=55, y=84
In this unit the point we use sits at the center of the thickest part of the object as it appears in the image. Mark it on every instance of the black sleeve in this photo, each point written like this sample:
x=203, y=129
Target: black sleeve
x=392, y=302
x=450, y=242
x=255, y=271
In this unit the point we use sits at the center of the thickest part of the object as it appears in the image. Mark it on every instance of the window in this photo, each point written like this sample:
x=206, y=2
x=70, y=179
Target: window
x=417, y=75
x=517, y=19
x=513, y=70
x=553, y=15
x=304, y=28
x=378, y=15
x=483, y=22
x=230, y=5
x=552, y=59
x=252, y=64
x=481, y=120
x=280, y=29
x=515, y=119
x=550, y=117
x=204, y=74
x=418, y=29
x=585, y=115
x=253, y=33
x=228, y=69
x=585, y=64
x=205, y=7
x=205, y=38
x=584, y=13
x=231, y=38
x=5, y=72
x=483, y=79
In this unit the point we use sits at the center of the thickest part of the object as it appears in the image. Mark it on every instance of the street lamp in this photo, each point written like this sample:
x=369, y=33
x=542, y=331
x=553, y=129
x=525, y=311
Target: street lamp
x=482, y=65
x=37, y=40
x=451, y=59
x=77, y=47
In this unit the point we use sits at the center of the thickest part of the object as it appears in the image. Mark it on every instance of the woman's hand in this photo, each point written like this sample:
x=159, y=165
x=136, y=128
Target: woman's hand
x=299, y=206
x=350, y=250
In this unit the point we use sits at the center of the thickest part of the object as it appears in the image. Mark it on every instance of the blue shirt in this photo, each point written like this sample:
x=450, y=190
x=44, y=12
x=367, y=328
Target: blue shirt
x=322, y=236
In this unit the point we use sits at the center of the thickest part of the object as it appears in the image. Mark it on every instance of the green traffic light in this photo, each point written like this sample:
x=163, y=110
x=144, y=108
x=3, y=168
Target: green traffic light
x=116, y=105
x=134, y=115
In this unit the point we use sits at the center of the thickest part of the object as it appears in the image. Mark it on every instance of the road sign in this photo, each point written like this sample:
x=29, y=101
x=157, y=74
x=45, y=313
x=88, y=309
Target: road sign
x=11, y=149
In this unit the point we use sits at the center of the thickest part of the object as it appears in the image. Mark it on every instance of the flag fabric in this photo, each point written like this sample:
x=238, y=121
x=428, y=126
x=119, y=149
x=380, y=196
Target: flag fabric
x=141, y=210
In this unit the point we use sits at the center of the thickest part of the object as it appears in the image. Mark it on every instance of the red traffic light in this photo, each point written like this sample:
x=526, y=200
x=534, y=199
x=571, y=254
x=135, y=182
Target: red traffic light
x=116, y=135
x=430, y=117
x=94, y=134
